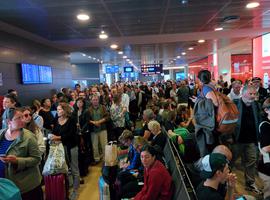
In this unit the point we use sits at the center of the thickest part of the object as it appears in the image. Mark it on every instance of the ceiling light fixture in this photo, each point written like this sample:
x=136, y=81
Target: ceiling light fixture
x=201, y=41
x=83, y=54
x=83, y=17
x=190, y=48
x=94, y=58
x=114, y=46
x=252, y=5
x=184, y=53
x=120, y=52
x=103, y=35
x=127, y=60
x=178, y=57
x=89, y=57
x=124, y=57
x=219, y=29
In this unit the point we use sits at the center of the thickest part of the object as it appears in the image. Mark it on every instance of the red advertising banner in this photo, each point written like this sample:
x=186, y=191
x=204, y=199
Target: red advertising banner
x=261, y=58
x=195, y=67
x=241, y=67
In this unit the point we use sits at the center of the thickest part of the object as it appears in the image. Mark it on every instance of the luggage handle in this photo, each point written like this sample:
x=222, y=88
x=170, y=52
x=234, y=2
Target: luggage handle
x=112, y=142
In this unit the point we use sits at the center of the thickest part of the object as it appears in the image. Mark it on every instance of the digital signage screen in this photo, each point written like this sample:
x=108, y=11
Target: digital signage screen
x=30, y=74
x=36, y=74
x=128, y=69
x=261, y=58
x=151, y=69
x=112, y=69
x=45, y=74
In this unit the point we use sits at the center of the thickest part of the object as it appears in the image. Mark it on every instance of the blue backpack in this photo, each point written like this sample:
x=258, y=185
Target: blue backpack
x=8, y=190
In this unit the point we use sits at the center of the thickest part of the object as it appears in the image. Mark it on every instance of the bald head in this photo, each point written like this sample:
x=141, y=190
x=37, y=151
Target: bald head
x=222, y=149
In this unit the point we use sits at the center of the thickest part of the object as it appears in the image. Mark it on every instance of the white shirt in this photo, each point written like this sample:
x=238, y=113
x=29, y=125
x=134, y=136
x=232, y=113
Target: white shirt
x=233, y=96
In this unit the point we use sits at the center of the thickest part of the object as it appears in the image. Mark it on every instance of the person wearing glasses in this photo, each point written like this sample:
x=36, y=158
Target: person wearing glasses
x=20, y=156
x=32, y=126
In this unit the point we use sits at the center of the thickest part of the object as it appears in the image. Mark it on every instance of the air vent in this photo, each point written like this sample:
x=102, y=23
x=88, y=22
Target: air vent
x=231, y=19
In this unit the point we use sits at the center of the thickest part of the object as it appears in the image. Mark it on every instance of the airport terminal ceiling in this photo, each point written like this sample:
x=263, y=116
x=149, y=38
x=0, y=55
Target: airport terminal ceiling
x=144, y=30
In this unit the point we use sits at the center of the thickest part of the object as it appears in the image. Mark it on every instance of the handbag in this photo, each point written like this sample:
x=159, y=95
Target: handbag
x=56, y=162
x=8, y=190
x=111, y=154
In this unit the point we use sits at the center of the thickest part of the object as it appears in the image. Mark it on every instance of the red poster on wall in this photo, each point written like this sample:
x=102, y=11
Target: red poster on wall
x=195, y=67
x=261, y=58
x=241, y=67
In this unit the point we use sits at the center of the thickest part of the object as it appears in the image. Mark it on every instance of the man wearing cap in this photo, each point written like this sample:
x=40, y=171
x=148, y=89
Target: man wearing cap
x=262, y=92
x=216, y=172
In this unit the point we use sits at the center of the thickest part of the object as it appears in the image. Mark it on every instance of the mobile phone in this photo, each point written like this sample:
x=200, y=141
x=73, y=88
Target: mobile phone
x=3, y=155
x=132, y=172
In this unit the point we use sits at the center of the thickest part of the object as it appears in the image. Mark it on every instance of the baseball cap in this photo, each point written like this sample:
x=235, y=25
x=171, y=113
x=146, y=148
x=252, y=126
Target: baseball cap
x=256, y=79
x=211, y=163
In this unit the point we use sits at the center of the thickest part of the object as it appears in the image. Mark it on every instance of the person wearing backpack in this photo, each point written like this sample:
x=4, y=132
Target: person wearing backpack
x=215, y=114
x=246, y=135
x=264, y=147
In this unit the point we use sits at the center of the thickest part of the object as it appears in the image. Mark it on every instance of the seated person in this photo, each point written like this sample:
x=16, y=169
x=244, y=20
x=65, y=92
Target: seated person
x=127, y=183
x=216, y=171
x=157, y=180
x=159, y=138
x=134, y=161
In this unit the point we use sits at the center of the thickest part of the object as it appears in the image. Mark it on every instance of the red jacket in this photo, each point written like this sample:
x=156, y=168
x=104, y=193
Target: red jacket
x=157, y=183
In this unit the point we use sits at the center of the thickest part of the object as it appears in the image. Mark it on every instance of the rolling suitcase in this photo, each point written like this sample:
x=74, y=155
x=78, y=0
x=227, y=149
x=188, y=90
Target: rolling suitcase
x=56, y=187
x=104, y=189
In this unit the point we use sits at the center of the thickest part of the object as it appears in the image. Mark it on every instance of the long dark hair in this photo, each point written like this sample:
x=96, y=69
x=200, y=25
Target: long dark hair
x=31, y=126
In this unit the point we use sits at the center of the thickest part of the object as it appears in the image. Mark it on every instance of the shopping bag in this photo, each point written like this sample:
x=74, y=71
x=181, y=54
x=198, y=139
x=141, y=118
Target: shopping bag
x=8, y=190
x=111, y=154
x=55, y=163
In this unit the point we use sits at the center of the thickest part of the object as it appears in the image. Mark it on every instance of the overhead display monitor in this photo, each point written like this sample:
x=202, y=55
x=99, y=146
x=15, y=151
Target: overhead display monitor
x=148, y=69
x=30, y=74
x=112, y=69
x=179, y=76
x=36, y=74
x=45, y=74
x=128, y=69
x=261, y=58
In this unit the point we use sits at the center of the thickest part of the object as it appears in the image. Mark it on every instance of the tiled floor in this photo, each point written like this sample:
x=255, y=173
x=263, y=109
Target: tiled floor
x=89, y=190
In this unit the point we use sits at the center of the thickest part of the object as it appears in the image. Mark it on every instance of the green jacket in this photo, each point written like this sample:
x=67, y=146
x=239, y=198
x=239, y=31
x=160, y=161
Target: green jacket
x=25, y=174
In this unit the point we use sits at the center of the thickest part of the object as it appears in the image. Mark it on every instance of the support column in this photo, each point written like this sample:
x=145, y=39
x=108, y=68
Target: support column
x=224, y=65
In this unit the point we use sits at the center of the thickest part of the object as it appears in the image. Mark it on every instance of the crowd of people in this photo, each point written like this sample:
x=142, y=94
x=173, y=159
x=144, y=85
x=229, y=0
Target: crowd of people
x=140, y=116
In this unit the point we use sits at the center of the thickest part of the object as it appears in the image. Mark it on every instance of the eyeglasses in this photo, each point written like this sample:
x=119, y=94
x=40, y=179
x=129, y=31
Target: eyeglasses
x=27, y=115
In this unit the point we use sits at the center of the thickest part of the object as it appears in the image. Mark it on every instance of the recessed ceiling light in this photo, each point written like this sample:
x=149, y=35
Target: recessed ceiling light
x=190, y=48
x=124, y=57
x=89, y=56
x=83, y=17
x=184, y=53
x=94, y=58
x=174, y=59
x=120, y=52
x=201, y=41
x=252, y=5
x=83, y=54
x=219, y=29
x=114, y=46
x=127, y=60
x=103, y=35
x=178, y=57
